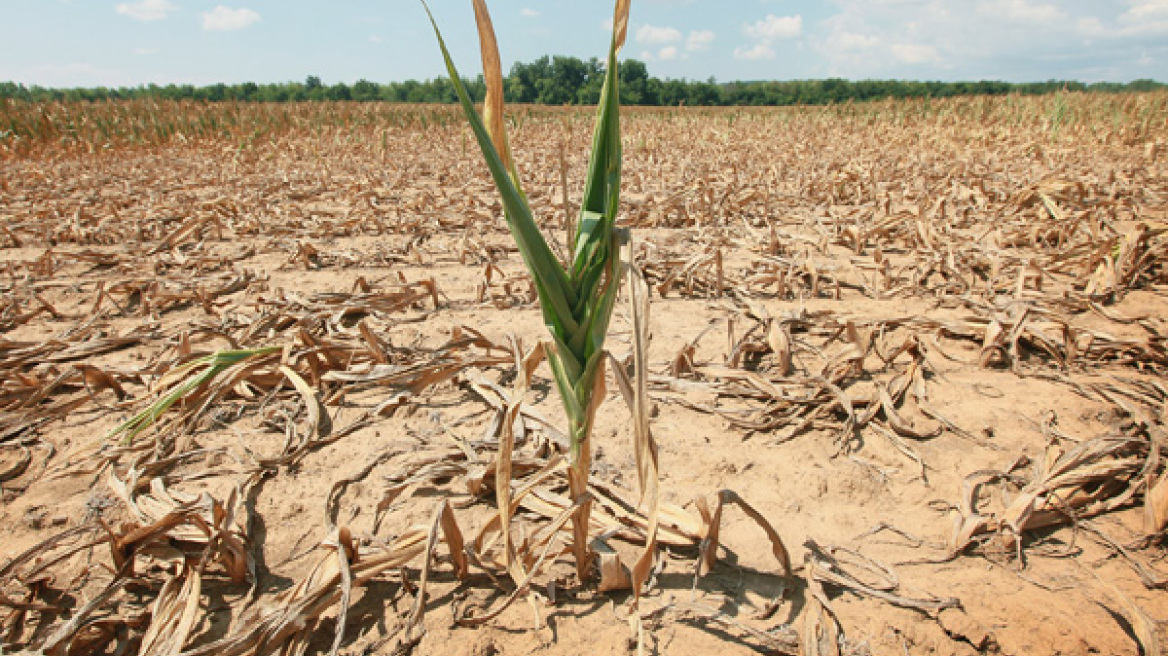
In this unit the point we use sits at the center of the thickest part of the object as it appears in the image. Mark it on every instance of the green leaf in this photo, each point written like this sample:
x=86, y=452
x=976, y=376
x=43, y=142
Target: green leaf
x=556, y=293
x=602, y=189
x=576, y=302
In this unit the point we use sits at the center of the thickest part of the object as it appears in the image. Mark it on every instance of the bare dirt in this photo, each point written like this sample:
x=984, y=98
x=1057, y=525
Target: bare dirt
x=925, y=341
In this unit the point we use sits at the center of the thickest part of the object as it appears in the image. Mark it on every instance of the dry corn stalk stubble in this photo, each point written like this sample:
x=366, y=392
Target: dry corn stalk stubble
x=1010, y=303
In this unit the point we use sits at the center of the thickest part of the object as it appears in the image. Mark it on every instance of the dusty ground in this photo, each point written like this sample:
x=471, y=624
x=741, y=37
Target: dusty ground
x=859, y=314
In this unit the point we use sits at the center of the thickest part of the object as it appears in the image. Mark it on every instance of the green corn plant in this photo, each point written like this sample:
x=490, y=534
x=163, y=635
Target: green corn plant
x=576, y=299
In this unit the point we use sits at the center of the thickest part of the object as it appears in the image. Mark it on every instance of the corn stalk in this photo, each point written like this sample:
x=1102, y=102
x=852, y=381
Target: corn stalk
x=577, y=299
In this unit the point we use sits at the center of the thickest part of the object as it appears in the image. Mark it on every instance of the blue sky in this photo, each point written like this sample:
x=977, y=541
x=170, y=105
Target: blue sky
x=131, y=42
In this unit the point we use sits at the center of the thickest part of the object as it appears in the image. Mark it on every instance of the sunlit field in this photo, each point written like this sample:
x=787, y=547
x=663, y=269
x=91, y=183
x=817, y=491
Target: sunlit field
x=922, y=341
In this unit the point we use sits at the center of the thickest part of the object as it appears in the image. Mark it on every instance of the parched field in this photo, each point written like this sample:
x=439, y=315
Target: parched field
x=924, y=341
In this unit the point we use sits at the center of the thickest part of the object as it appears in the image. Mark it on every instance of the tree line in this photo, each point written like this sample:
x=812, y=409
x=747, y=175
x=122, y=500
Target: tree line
x=561, y=80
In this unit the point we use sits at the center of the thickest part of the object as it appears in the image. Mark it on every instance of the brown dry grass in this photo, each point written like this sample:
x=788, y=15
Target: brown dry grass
x=924, y=340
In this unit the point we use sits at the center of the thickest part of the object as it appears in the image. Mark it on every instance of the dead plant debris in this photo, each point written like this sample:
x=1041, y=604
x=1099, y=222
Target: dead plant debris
x=936, y=318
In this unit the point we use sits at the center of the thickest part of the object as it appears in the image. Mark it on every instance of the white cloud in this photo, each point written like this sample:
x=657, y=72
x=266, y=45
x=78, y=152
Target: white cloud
x=528, y=12
x=760, y=50
x=224, y=19
x=910, y=53
x=146, y=10
x=1013, y=40
x=1090, y=26
x=376, y=39
x=653, y=34
x=699, y=40
x=1146, y=10
x=774, y=27
x=1022, y=11
x=1146, y=17
x=1143, y=18
x=666, y=53
x=664, y=42
x=880, y=38
x=145, y=52
x=765, y=32
x=845, y=40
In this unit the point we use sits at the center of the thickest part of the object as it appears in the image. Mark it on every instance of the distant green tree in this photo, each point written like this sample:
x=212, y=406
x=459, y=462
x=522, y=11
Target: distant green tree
x=14, y=91
x=674, y=92
x=247, y=91
x=562, y=81
x=589, y=92
x=364, y=90
x=1144, y=85
x=567, y=80
x=634, y=79
x=214, y=93
x=527, y=81
x=705, y=94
